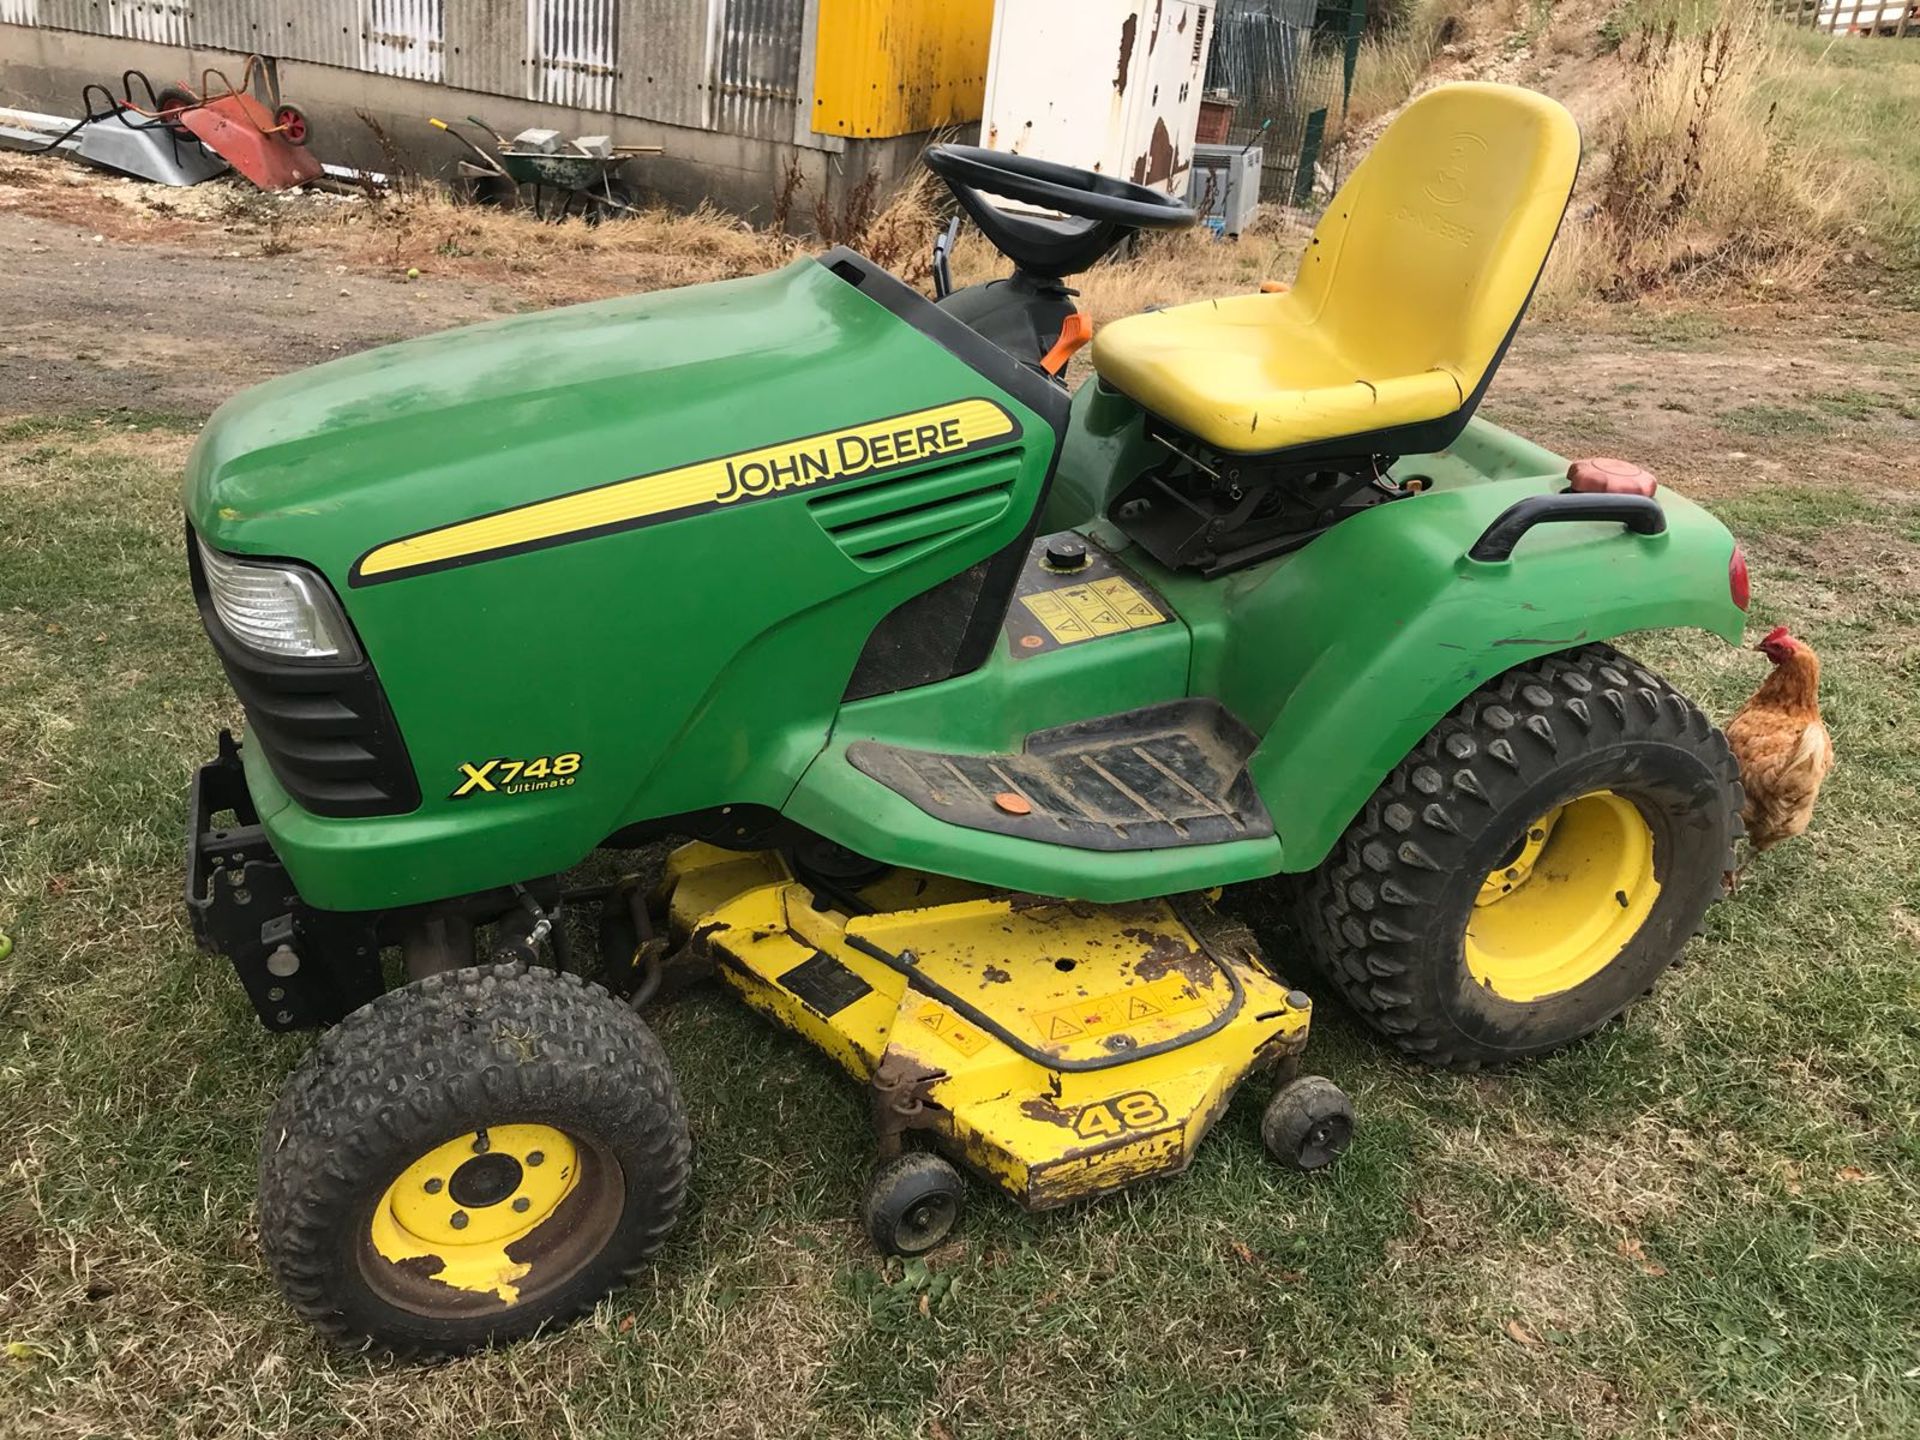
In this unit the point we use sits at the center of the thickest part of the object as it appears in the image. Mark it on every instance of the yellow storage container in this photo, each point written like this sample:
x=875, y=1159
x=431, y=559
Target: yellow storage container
x=897, y=67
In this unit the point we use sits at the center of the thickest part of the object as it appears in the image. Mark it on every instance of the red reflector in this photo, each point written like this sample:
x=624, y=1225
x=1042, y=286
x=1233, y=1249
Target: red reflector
x=1737, y=581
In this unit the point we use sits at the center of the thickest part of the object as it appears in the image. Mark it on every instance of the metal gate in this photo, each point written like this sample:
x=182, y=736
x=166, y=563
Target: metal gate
x=1891, y=19
x=1289, y=66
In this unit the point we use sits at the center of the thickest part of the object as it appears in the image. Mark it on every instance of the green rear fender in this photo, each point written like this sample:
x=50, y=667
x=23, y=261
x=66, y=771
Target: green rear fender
x=1344, y=658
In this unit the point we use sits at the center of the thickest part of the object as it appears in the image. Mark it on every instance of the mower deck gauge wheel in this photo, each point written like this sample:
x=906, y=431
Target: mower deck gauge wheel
x=1308, y=1124
x=912, y=1203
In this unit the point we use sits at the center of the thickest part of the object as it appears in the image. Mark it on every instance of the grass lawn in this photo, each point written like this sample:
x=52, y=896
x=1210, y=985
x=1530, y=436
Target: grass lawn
x=1706, y=1221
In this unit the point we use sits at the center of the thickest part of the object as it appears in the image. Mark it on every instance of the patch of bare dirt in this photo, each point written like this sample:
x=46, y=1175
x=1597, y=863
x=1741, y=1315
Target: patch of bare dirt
x=124, y=295
x=96, y=321
x=1719, y=401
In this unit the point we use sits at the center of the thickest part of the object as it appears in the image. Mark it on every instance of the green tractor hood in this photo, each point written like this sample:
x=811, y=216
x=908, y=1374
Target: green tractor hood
x=473, y=420
x=655, y=533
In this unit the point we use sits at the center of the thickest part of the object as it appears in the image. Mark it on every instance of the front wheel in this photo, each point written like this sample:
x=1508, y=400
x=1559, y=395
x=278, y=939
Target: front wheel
x=468, y=1158
x=1531, y=869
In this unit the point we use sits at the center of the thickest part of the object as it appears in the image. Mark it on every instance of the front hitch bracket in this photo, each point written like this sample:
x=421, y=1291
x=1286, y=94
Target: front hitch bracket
x=300, y=966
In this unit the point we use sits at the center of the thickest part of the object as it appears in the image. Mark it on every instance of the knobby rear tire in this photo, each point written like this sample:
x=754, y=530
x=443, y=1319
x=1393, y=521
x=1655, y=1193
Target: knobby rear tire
x=1385, y=914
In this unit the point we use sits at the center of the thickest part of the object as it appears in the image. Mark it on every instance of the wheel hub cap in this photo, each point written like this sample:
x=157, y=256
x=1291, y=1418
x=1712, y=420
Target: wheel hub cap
x=464, y=1202
x=1574, y=890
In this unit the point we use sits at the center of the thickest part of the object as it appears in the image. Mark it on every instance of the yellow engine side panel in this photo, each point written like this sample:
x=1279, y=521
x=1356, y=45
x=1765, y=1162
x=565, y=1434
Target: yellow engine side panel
x=1063, y=1050
x=897, y=67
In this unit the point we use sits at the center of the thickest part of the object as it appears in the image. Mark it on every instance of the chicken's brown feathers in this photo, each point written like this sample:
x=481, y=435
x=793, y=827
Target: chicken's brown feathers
x=1782, y=744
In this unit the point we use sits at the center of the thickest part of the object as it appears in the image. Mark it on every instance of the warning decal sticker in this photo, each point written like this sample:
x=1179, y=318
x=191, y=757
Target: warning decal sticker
x=941, y=1021
x=1056, y=607
x=1082, y=612
x=1104, y=1014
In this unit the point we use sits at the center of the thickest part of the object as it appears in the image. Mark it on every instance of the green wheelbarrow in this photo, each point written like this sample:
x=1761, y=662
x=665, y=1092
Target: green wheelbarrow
x=573, y=178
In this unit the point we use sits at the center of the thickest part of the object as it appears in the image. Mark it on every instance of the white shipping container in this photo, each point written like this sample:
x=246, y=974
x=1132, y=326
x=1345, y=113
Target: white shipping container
x=1107, y=85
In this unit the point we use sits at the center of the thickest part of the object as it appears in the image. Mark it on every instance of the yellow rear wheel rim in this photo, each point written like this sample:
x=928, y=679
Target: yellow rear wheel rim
x=464, y=1202
x=1576, y=890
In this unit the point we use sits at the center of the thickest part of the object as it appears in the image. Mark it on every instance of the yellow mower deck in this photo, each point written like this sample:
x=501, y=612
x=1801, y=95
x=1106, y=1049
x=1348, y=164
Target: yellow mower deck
x=1062, y=1049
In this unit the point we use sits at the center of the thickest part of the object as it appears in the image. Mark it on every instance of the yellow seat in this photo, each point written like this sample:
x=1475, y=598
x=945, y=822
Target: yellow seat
x=1412, y=284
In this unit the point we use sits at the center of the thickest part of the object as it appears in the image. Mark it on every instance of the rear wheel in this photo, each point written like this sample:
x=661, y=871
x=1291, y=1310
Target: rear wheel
x=1532, y=868
x=468, y=1158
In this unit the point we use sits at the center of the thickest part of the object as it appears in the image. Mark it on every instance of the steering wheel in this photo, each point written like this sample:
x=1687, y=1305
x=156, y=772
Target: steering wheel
x=1101, y=211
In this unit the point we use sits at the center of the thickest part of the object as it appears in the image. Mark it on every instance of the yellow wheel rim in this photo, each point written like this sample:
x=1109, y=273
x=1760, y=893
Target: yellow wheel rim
x=463, y=1203
x=1578, y=887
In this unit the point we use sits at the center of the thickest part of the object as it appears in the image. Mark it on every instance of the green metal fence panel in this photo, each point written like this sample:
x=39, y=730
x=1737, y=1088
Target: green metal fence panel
x=1288, y=67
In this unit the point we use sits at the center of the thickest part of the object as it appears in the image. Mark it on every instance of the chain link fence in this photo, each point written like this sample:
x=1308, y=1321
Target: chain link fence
x=1287, y=66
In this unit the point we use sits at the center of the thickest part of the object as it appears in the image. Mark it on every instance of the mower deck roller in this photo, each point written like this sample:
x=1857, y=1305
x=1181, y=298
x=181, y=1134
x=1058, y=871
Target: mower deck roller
x=1062, y=1050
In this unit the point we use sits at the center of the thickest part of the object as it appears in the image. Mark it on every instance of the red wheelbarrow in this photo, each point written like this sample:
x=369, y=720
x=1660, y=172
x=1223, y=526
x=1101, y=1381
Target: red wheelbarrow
x=268, y=146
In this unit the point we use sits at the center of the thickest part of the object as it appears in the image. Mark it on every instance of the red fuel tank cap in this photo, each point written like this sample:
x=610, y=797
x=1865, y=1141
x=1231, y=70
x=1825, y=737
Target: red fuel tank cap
x=1601, y=476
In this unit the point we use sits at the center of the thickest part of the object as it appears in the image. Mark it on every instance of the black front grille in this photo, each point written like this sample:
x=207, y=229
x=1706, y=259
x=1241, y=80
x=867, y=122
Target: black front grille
x=326, y=729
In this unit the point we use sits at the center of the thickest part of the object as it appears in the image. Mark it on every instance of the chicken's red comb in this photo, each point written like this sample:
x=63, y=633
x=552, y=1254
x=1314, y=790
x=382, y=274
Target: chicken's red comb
x=1776, y=635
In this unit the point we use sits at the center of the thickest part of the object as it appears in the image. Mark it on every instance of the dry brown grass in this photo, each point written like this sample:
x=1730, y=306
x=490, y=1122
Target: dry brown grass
x=1165, y=269
x=426, y=229
x=1396, y=56
x=1703, y=186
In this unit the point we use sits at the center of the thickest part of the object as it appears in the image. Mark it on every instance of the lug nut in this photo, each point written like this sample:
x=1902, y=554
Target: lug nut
x=459, y=1220
x=536, y=1157
x=432, y=1187
x=522, y=1204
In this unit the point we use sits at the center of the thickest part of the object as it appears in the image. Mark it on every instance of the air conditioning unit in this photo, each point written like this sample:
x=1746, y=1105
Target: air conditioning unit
x=1224, y=186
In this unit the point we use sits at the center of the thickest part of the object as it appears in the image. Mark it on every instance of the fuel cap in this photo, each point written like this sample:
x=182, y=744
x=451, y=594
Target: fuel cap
x=1066, y=553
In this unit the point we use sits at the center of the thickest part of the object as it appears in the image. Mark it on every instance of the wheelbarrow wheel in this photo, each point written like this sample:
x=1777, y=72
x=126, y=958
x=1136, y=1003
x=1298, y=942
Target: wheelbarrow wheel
x=615, y=202
x=291, y=122
x=494, y=192
x=171, y=103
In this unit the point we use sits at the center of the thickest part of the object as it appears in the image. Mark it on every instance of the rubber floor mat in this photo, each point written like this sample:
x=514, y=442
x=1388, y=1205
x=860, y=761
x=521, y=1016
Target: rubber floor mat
x=1148, y=779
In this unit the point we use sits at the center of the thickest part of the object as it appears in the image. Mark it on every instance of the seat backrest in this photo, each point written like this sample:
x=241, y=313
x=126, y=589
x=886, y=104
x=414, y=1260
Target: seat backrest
x=1426, y=257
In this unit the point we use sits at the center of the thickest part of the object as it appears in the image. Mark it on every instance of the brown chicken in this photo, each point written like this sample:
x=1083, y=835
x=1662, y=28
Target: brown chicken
x=1781, y=743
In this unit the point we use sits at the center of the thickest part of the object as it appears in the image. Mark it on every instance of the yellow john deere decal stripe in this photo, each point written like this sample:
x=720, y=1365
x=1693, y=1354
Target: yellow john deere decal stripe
x=871, y=449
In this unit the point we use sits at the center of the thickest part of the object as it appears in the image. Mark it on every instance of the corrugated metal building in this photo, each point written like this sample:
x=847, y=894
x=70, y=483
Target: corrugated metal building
x=732, y=87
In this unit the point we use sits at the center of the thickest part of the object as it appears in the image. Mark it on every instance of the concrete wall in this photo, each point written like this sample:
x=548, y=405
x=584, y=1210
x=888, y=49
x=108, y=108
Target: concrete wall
x=44, y=70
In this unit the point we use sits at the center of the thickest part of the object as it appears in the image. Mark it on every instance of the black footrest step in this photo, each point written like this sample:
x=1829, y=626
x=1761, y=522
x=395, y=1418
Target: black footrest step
x=1149, y=779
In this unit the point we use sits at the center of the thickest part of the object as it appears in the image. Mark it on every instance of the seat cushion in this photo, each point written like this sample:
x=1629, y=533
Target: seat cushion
x=1406, y=294
x=1248, y=374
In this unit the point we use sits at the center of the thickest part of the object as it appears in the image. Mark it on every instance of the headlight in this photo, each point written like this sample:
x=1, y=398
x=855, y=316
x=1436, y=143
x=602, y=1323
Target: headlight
x=277, y=610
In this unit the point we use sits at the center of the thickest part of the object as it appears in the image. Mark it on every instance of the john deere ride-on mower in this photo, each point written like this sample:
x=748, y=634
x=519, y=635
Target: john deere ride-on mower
x=969, y=694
